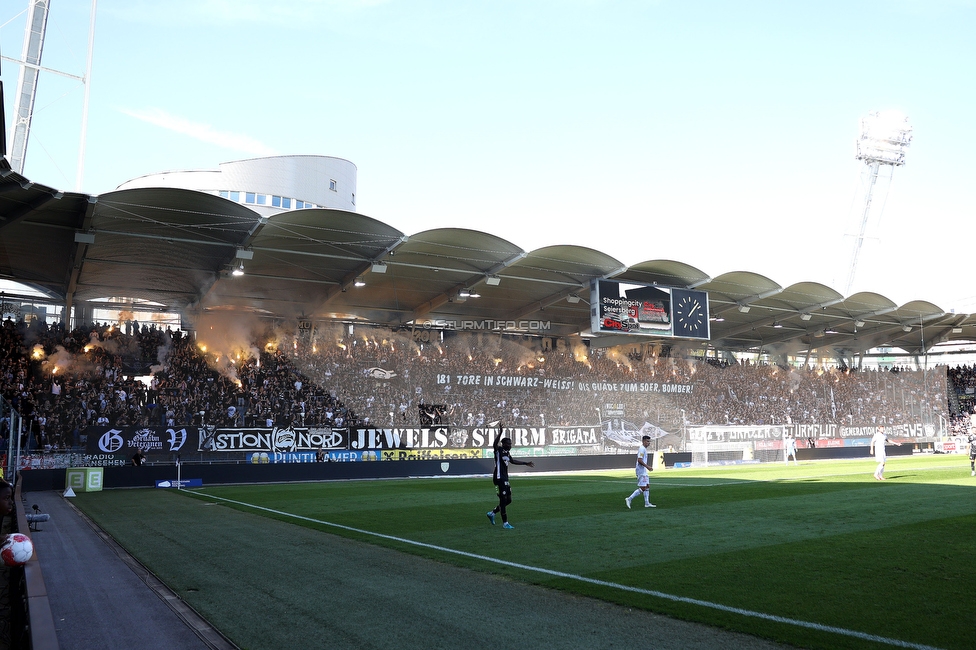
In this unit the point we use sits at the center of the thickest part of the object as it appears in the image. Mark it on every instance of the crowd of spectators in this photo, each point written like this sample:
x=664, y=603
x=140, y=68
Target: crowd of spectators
x=962, y=397
x=63, y=382
x=395, y=375
x=252, y=391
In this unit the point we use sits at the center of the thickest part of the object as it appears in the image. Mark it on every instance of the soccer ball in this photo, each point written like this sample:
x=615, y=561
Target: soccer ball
x=17, y=549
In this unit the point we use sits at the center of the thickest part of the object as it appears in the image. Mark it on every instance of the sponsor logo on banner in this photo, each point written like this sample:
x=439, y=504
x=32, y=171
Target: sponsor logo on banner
x=445, y=467
x=431, y=454
x=279, y=457
x=184, y=483
x=333, y=456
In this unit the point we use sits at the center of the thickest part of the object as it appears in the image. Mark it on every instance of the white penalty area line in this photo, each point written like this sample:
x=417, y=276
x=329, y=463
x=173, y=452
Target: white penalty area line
x=602, y=583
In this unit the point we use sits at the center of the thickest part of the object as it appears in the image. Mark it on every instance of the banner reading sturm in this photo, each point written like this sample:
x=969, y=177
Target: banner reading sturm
x=474, y=437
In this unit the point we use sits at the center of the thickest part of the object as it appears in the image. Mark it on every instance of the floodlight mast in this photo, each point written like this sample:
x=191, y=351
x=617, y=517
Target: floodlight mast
x=27, y=84
x=884, y=138
x=30, y=69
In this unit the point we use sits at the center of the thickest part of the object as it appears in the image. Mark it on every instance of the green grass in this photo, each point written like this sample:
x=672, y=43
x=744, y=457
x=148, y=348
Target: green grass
x=822, y=543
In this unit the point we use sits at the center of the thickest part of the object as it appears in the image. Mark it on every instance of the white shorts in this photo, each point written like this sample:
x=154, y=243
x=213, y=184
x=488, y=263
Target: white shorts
x=643, y=480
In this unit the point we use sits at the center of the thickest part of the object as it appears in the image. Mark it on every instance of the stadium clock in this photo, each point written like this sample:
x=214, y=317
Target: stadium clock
x=689, y=313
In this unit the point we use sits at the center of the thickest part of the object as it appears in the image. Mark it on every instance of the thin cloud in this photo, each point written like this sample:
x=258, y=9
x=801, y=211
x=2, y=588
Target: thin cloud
x=201, y=132
x=296, y=14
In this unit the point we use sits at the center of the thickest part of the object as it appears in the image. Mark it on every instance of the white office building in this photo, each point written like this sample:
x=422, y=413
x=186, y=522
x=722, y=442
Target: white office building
x=268, y=185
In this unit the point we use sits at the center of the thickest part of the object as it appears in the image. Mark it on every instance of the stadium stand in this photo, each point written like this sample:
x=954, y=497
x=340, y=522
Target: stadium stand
x=64, y=382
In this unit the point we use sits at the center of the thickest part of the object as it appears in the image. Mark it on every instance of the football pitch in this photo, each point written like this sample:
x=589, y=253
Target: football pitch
x=818, y=555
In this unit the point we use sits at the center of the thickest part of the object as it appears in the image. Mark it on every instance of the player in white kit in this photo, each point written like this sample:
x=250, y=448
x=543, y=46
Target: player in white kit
x=878, y=446
x=643, y=467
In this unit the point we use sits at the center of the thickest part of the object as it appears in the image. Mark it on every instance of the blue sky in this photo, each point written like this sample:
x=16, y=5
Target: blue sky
x=715, y=133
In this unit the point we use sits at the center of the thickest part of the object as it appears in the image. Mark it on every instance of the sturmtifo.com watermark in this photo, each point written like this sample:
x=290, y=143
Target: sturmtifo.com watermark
x=487, y=325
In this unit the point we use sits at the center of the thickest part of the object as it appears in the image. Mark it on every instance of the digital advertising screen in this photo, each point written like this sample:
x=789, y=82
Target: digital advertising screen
x=648, y=310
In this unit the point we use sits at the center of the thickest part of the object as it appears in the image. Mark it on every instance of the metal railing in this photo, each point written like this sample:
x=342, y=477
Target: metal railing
x=32, y=623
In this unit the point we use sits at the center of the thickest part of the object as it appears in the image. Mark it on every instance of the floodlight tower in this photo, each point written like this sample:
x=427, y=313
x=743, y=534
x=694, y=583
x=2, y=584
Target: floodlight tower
x=884, y=138
x=30, y=69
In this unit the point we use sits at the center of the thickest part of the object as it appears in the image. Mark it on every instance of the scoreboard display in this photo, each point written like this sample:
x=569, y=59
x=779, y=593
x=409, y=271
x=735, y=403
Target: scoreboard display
x=648, y=310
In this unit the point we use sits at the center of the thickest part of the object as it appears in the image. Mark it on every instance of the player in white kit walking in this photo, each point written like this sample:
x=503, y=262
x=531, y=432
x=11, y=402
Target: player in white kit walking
x=642, y=474
x=878, y=446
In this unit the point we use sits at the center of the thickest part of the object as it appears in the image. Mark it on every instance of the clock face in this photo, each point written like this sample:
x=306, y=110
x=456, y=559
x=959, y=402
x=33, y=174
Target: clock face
x=690, y=318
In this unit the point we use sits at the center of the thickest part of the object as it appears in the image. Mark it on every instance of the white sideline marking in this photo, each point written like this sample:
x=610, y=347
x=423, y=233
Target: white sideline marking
x=593, y=581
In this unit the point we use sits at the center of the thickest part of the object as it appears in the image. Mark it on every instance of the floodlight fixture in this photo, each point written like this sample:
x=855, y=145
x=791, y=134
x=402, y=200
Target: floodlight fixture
x=830, y=330
x=572, y=298
x=884, y=137
x=360, y=282
x=239, y=269
x=744, y=309
x=464, y=293
x=379, y=267
x=906, y=328
x=84, y=238
x=718, y=319
x=244, y=254
x=777, y=325
x=805, y=317
x=493, y=280
x=957, y=330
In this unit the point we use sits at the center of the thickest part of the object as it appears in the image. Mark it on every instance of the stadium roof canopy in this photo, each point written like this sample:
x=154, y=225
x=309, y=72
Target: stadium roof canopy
x=175, y=250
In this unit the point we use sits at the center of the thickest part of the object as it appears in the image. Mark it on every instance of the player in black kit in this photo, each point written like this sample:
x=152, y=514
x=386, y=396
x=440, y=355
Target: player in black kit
x=503, y=458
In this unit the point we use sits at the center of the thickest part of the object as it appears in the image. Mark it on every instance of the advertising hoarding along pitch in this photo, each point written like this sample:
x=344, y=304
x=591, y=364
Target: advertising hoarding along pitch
x=648, y=310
